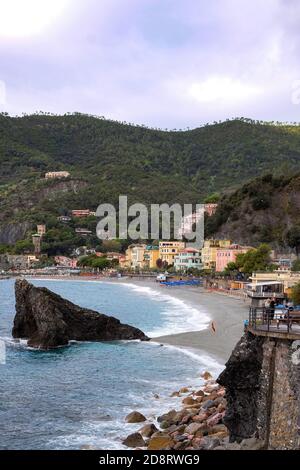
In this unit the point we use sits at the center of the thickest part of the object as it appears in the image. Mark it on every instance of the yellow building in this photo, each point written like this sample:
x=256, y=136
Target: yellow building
x=209, y=252
x=168, y=250
x=151, y=255
x=287, y=278
x=135, y=256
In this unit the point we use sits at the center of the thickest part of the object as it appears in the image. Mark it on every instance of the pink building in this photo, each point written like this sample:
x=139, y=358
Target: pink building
x=228, y=255
x=65, y=261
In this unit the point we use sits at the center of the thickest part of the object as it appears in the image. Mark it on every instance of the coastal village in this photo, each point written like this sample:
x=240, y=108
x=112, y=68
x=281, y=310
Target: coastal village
x=173, y=259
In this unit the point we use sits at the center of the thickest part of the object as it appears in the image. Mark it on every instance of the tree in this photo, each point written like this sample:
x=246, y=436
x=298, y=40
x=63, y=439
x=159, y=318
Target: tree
x=231, y=269
x=257, y=259
x=295, y=295
x=212, y=199
x=296, y=265
x=293, y=238
x=23, y=246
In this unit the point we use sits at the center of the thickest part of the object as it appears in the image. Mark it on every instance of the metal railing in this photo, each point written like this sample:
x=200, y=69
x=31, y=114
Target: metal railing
x=272, y=319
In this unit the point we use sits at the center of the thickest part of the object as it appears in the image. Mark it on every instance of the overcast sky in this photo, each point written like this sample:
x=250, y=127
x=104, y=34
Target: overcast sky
x=164, y=63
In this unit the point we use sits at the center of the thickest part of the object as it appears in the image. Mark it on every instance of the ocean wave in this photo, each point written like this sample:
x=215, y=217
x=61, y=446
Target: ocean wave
x=180, y=316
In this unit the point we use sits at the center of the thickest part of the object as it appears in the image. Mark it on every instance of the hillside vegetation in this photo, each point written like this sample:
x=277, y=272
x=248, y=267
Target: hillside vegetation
x=265, y=210
x=107, y=158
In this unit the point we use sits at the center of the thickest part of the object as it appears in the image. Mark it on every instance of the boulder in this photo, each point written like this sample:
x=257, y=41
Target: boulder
x=148, y=430
x=189, y=401
x=206, y=375
x=193, y=428
x=135, y=417
x=160, y=442
x=47, y=320
x=134, y=440
x=252, y=444
x=184, y=390
x=167, y=417
x=215, y=419
x=200, y=417
x=208, y=404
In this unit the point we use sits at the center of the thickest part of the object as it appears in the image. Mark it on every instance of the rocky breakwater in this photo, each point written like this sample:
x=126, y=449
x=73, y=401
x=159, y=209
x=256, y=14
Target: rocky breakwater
x=197, y=425
x=47, y=320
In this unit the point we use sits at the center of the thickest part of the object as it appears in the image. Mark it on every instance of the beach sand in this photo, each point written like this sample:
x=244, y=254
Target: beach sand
x=228, y=314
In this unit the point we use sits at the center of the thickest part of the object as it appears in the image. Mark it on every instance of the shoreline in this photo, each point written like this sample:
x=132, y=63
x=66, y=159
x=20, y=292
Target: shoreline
x=227, y=312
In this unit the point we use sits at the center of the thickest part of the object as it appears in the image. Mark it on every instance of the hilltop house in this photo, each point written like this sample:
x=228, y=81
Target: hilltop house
x=83, y=231
x=57, y=175
x=81, y=213
x=41, y=229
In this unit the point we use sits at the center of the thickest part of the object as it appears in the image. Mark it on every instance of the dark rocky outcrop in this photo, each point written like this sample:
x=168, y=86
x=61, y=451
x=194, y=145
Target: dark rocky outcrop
x=48, y=321
x=241, y=379
x=262, y=383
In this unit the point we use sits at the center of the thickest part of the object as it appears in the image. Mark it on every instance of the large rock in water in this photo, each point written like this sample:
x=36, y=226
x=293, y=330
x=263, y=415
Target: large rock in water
x=48, y=321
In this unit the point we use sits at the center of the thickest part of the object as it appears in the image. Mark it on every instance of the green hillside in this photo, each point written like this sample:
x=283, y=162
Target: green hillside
x=107, y=158
x=265, y=210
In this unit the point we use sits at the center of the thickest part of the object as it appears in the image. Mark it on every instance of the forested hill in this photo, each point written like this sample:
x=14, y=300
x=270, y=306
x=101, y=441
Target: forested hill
x=265, y=210
x=107, y=158
x=211, y=158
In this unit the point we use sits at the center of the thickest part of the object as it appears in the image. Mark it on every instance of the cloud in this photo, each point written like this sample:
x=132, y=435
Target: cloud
x=163, y=63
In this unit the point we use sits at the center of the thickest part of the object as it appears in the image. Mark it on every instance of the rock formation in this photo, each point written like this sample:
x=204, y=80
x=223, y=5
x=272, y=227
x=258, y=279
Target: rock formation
x=241, y=381
x=47, y=320
x=262, y=383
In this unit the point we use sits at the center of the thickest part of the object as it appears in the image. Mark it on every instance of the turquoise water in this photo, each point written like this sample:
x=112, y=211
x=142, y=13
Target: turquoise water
x=79, y=395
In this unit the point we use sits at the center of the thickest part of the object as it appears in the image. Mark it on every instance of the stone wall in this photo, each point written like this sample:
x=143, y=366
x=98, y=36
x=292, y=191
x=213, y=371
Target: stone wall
x=262, y=381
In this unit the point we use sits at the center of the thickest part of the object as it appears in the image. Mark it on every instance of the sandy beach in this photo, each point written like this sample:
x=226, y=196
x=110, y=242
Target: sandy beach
x=227, y=313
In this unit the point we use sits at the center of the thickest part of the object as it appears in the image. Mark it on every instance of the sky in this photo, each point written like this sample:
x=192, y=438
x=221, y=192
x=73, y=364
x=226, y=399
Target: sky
x=163, y=63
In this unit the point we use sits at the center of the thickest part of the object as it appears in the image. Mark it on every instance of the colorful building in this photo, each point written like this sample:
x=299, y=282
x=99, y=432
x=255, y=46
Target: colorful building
x=228, y=255
x=287, y=278
x=135, y=256
x=81, y=213
x=65, y=261
x=36, y=240
x=41, y=229
x=209, y=252
x=83, y=232
x=188, y=258
x=151, y=255
x=64, y=218
x=168, y=250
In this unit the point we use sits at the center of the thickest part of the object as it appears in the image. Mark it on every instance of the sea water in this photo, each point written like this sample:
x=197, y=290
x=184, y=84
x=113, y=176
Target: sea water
x=79, y=395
